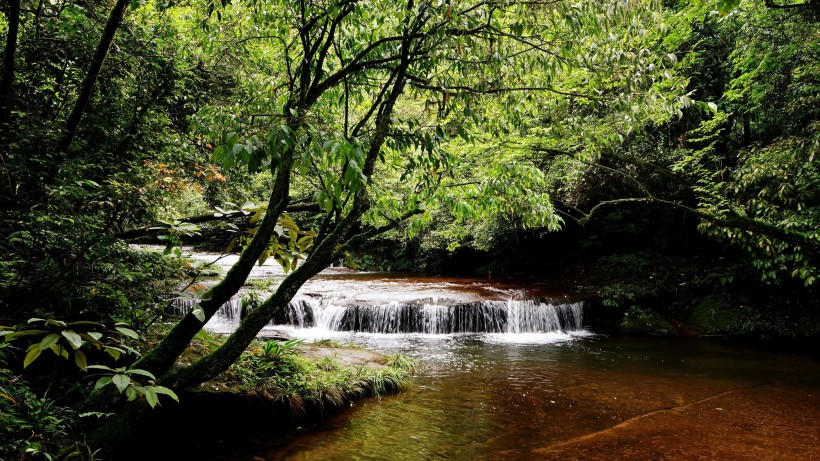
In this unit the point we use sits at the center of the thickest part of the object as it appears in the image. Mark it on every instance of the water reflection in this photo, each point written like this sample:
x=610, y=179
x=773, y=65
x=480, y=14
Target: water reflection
x=589, y=398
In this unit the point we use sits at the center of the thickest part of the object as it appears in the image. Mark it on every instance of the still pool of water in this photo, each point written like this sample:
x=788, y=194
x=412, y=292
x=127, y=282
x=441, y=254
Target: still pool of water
x=580, y=396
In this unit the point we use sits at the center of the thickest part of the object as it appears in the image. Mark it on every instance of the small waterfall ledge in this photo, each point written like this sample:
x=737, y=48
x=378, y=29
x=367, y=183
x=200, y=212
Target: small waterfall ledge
x=427, y=316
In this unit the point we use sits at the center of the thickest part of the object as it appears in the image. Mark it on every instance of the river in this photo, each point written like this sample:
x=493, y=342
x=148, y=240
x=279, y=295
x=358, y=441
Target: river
x=520, y=388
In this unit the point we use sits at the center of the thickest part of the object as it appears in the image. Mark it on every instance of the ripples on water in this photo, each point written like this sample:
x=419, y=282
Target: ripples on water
x=570, y=396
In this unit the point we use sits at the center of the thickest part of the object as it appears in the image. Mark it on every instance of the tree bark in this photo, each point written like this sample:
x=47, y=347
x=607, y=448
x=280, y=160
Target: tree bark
x=9, y=54
x=164, y=354
x=87, y=89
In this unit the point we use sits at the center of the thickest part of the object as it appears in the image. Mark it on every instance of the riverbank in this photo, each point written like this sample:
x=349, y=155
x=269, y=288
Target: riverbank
x=277, y=385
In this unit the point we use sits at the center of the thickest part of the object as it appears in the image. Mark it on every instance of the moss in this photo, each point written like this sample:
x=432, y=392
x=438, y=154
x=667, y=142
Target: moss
x=645, y=322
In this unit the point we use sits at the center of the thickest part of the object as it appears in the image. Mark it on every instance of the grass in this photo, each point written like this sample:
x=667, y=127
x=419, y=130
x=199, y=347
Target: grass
x=302, y=382
x=332, y=343
x=261, y=284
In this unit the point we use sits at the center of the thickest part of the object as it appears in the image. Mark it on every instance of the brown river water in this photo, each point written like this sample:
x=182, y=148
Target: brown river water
x=586, y=397
x=531, y=383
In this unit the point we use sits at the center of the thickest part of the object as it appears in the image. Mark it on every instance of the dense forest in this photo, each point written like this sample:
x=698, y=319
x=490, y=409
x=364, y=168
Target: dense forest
x=659, y=155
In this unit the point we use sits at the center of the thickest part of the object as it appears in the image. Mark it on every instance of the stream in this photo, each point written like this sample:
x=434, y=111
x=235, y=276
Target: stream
x=510, y=373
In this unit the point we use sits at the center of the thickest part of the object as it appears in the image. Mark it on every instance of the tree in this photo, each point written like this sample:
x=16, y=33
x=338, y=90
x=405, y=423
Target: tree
x=742, y=163
x=356, y=102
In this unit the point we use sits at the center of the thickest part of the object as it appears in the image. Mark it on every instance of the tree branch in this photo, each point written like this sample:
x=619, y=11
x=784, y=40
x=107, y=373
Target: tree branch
x=209, y=217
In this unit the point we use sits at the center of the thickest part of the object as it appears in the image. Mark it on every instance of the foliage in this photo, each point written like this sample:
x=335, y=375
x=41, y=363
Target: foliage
x=288, y=245
x=30, y=425
x=277, y=351
x=83, y=337
x=457, y=124
x=65, y=267
x=641, y=321
x=125, y=380
x=302, y=381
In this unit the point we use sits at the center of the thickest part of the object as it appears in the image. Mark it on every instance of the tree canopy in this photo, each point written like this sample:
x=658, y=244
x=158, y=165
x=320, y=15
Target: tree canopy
x=325, y=123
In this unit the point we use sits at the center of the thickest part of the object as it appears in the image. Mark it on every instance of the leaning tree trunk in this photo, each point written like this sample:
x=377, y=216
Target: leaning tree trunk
x=7, y=80
x=218, y=361
x=164, y=354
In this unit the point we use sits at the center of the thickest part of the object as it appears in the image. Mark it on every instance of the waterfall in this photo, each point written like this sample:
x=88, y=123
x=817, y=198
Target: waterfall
x=429, y=316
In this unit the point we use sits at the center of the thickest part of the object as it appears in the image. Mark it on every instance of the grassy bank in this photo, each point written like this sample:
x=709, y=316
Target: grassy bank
x=306, y=376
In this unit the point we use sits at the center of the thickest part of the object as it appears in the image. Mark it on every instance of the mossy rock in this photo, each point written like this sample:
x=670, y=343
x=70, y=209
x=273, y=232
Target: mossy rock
x=645, y=322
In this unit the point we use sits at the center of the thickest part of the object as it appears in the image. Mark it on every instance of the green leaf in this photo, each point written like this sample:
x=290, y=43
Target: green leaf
x=92, y=336
x=128, y=332
x=151, y=397
x=727, y=6
x=121, y=381
x=137, y=371
x=48, y=341
x=19, y=334
x=100, y=367
x=60, y=351
x=164, y=390
x=80, y=360
x=114, y=352
x=73, y=338
x=31, y=356
x=199, y=313
x=86, y=322
x=102, y=382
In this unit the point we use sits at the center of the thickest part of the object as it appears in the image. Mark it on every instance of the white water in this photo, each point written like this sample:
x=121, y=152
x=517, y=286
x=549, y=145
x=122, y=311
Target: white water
x=426, y=316
x=340, y=301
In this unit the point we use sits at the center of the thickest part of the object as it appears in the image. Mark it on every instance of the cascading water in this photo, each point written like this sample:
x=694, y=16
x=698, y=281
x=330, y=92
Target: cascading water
x=429, y=316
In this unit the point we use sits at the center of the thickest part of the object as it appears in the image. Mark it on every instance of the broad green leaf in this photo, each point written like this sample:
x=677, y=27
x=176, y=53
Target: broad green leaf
x=137, y=371
x=114, y=352
x=59, y=351
x=199, y=313
x=128, y=332
x=80, y=360
x=49, y=341
x=86, y=322
x=164, y=390
x=92, y=336
x=19, y=334
x=121, y=381
x=31, y=356
x=102, y=382
x=151, y=397
x=100, y=367
x=73, y=338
